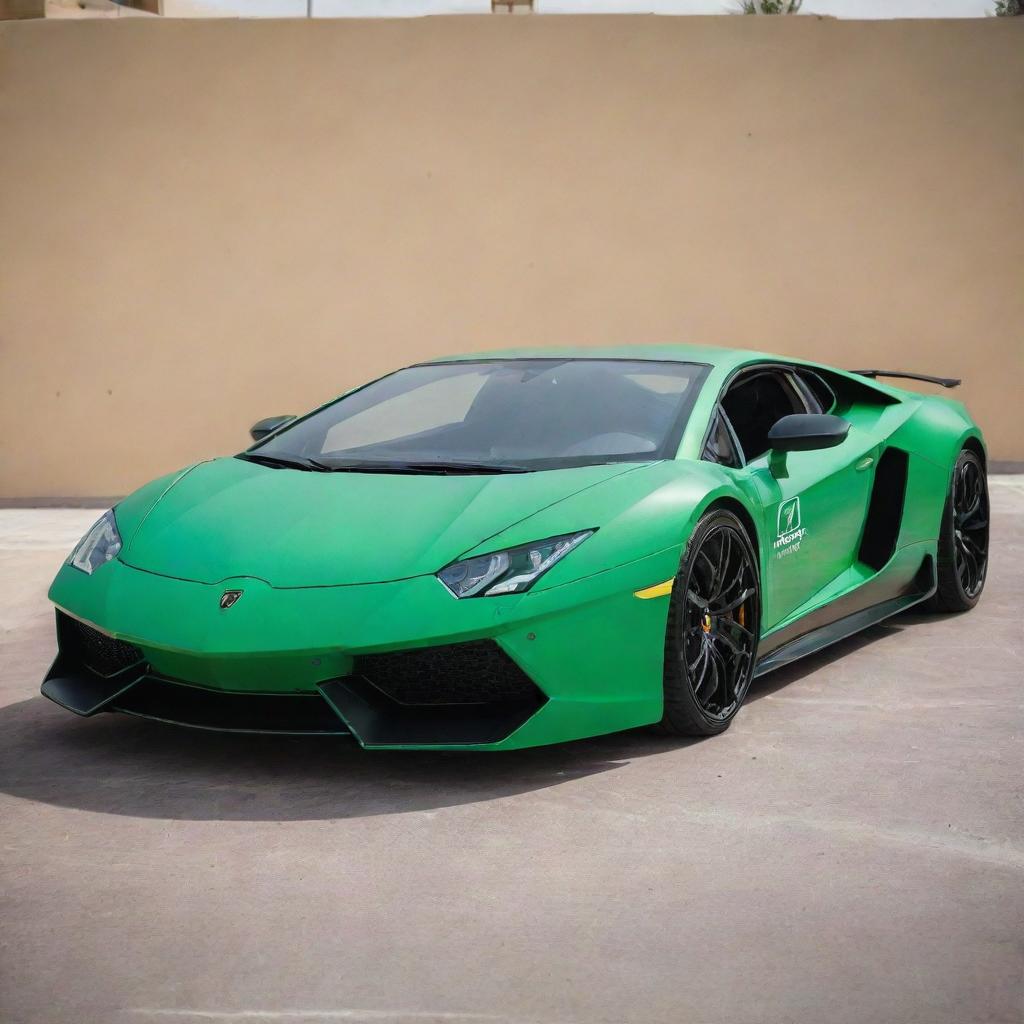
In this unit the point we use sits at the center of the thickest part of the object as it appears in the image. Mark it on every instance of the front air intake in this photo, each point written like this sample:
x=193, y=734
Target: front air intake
x=479, y=672
x=101, y=654
x=455, y=694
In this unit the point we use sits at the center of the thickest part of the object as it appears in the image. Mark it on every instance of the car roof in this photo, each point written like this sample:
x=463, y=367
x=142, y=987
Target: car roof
x=723, y=361
x=710, y=355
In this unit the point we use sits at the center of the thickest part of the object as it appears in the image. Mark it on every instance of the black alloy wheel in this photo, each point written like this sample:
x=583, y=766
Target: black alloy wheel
x=963, y=537
x=713, y=628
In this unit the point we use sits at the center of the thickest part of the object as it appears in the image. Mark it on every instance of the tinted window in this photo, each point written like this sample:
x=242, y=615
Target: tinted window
x=536, y=413
x=823, y=398
x=720, y=447
x=428, y=404
x=754, y=404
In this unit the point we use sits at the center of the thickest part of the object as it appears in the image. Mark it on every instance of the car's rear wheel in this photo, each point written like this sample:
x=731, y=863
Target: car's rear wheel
x=714, y=621
x=963, y=537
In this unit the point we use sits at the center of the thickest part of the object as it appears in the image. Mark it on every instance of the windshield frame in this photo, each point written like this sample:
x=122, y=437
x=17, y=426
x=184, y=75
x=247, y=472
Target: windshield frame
x=668, y=449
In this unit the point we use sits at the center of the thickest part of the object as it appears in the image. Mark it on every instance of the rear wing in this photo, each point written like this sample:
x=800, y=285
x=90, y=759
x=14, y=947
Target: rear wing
x=946, y=382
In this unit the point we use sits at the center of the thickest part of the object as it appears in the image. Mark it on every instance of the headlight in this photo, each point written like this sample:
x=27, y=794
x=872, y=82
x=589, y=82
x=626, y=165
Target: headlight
x=98, y=546
x=511, y=571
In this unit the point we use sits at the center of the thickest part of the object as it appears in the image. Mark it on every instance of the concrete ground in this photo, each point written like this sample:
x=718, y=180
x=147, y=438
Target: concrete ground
x=851, y=850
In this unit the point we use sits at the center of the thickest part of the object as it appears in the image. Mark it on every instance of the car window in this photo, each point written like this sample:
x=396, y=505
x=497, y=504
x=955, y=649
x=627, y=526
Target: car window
x=720, y=447
x=435, y=403
x=820, y=397
x=515, y=413
x=661, y=383
x=755, y=403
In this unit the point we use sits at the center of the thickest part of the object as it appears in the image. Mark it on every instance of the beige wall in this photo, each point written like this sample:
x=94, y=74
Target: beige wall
x=22, y=8
x=204, y=223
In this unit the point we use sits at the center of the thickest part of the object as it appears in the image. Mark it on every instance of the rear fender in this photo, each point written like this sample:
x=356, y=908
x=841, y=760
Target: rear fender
x=934, y=437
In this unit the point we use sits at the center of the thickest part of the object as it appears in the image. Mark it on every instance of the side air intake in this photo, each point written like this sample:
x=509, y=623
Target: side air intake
x=885, y=512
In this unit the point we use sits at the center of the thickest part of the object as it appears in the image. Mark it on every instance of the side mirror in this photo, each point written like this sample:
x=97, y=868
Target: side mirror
x=806, y=432
x=260, y=430
x=803, y=432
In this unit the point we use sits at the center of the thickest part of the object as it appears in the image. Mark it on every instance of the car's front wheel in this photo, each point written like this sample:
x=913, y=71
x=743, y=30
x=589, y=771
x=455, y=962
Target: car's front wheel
x=713, y=625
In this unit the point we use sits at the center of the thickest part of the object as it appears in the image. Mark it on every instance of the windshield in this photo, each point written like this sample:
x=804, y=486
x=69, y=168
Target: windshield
x=501, y=415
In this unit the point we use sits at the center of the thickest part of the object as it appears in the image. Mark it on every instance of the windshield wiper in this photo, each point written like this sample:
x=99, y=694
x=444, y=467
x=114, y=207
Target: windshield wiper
x=284, y=462
x=425, y=468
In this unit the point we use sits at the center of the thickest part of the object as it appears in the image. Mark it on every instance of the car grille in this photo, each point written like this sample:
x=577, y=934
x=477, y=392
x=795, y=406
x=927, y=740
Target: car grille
x=478, y=672
x=103, y=654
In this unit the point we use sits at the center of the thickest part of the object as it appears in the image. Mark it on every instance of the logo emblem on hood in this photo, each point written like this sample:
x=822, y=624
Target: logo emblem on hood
x=229, y=597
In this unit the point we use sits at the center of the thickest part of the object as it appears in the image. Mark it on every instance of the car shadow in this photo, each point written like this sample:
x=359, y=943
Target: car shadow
x=121, y=765
x=115, y=764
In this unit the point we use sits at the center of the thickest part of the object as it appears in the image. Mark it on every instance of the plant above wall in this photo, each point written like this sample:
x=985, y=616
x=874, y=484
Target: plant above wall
x=1008, y=8
x=787, y=6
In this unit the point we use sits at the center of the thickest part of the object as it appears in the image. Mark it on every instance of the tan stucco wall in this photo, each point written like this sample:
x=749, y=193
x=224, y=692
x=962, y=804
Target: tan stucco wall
x=204, y=223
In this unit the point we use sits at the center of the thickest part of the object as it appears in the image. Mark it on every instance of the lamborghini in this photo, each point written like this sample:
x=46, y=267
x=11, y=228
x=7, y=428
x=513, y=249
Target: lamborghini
x=509, y=549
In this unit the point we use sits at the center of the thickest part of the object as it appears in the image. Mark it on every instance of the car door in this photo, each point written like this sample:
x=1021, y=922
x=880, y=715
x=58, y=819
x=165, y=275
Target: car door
x=813, y=506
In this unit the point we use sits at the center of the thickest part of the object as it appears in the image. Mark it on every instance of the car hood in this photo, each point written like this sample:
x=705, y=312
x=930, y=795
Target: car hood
x=291, y=528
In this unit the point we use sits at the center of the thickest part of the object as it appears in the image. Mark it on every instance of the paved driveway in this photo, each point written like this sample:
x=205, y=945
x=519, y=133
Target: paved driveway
x=851, y=850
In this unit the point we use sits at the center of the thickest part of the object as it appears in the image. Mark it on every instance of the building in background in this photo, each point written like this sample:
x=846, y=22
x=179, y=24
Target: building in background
x=418, y=8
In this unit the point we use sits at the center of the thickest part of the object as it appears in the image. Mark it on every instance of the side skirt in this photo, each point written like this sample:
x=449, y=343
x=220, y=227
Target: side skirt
x=867, y=605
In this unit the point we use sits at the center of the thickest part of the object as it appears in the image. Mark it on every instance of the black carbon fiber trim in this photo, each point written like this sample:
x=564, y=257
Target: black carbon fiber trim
x=377, y=721
x=223, y=711
x=478, y=672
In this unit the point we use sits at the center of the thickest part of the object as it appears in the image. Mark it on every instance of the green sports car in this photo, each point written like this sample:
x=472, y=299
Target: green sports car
x=508, y=549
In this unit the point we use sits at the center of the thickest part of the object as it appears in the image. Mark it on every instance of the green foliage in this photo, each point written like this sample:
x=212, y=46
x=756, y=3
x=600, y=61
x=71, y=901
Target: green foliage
x=1009, y=8
x=793, y=6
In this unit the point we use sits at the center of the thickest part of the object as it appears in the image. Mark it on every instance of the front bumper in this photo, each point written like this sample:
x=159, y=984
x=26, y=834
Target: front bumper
x=577, y=660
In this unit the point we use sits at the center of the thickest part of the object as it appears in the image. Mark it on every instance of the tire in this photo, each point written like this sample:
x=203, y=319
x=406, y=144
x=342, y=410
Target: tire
x=714, y=622
x=963, y=537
